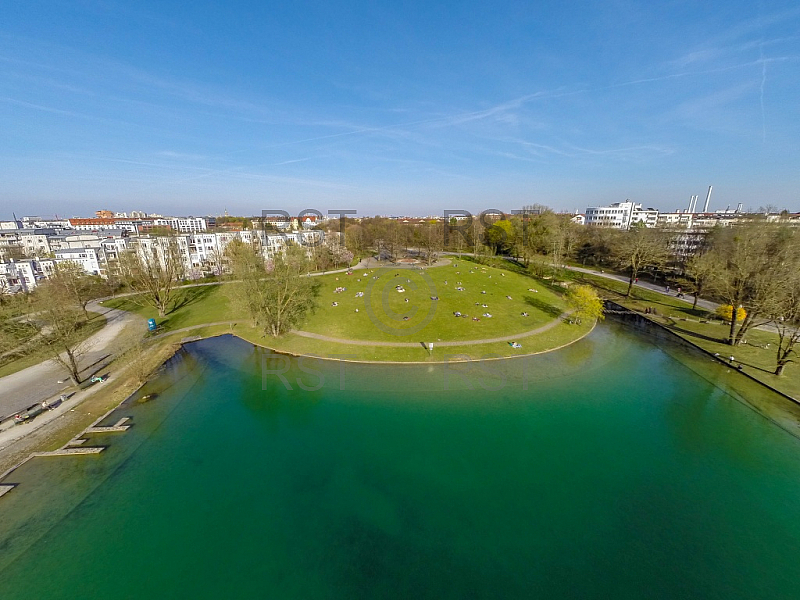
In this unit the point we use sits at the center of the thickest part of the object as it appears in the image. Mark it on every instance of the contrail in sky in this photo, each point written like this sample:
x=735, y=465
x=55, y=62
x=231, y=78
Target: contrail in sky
x=763, y=82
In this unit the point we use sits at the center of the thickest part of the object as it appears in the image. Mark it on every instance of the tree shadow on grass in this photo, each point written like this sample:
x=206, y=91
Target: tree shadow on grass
x=191, y=296
x=543, y=306
x=650, y=298
x=694, y=334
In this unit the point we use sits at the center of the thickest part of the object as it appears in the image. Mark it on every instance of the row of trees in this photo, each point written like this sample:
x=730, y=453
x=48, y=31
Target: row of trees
x=753, y=266
x=535, y=233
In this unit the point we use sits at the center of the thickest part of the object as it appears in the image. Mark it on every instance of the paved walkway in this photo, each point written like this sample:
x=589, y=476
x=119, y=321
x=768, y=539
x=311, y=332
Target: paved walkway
x=47, y=379
x=659, y=289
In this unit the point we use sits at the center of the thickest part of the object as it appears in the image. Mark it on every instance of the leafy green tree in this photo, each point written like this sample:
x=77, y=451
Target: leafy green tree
x=585, y=303
x=500, y=236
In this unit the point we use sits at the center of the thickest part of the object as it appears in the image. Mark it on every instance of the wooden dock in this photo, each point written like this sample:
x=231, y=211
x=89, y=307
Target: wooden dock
x=118, y=427
x=5, y=488
x=72, y=450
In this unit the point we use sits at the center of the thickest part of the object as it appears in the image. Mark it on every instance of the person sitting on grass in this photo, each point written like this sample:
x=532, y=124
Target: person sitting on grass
x=525, y=314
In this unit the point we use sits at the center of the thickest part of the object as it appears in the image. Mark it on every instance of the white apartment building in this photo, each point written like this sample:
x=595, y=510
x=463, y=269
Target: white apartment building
x=35, y=242
x=88, y=258
x=182, y=224
x=617, y=215
x=621, y=215
x=648, y=216
x=9, y=243
x=9, y=225
x=40, y=223
x=682, y=219
x=201, y=253
x=17, y=276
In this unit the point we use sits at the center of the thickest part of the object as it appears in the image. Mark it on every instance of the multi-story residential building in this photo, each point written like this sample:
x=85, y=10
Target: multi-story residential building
x=682, y=219
x=648, y=216
x=18, y=276
x=104, y=224
x=88, y=258
x=41, y=223
x=35, y=242
x=10, y=244
x=10, y=225
x=183, y=224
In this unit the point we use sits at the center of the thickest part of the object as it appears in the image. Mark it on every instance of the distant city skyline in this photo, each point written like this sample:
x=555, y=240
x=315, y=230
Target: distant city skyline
x=412, y=110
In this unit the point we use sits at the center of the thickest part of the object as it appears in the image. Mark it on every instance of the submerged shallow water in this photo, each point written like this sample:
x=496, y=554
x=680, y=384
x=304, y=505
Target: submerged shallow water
x=608, y=469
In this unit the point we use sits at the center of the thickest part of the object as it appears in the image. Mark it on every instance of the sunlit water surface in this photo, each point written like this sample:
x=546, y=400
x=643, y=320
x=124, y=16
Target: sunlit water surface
x=605, y=470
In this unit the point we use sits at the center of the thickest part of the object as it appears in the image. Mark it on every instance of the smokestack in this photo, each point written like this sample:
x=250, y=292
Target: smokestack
x=739, y=207
x=689, y=208
x=694, y=204
x=708, y=198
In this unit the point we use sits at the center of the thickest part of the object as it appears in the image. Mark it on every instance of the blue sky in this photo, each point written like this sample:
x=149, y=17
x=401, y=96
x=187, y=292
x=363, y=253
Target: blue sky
x=194, y=108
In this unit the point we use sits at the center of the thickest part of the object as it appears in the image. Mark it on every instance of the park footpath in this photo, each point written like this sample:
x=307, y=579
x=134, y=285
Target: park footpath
x=659, y=289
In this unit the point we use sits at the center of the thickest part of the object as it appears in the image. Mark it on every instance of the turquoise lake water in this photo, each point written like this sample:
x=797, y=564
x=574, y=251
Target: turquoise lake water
x=608, y=469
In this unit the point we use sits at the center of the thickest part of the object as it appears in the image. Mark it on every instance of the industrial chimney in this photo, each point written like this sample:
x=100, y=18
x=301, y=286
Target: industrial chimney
x=708, y=198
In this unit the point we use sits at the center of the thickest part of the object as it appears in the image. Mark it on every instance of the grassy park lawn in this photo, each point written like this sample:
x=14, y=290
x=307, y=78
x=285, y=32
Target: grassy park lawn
x=192, y=306
x=378, y=314
x=382, y=309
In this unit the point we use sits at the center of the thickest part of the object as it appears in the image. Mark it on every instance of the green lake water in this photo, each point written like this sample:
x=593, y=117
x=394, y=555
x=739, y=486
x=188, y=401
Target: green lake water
x=609, y=469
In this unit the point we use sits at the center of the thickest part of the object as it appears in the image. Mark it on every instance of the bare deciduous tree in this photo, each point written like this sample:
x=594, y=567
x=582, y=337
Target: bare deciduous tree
x=275, y=294
x=637, y=249
x=62, y=323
